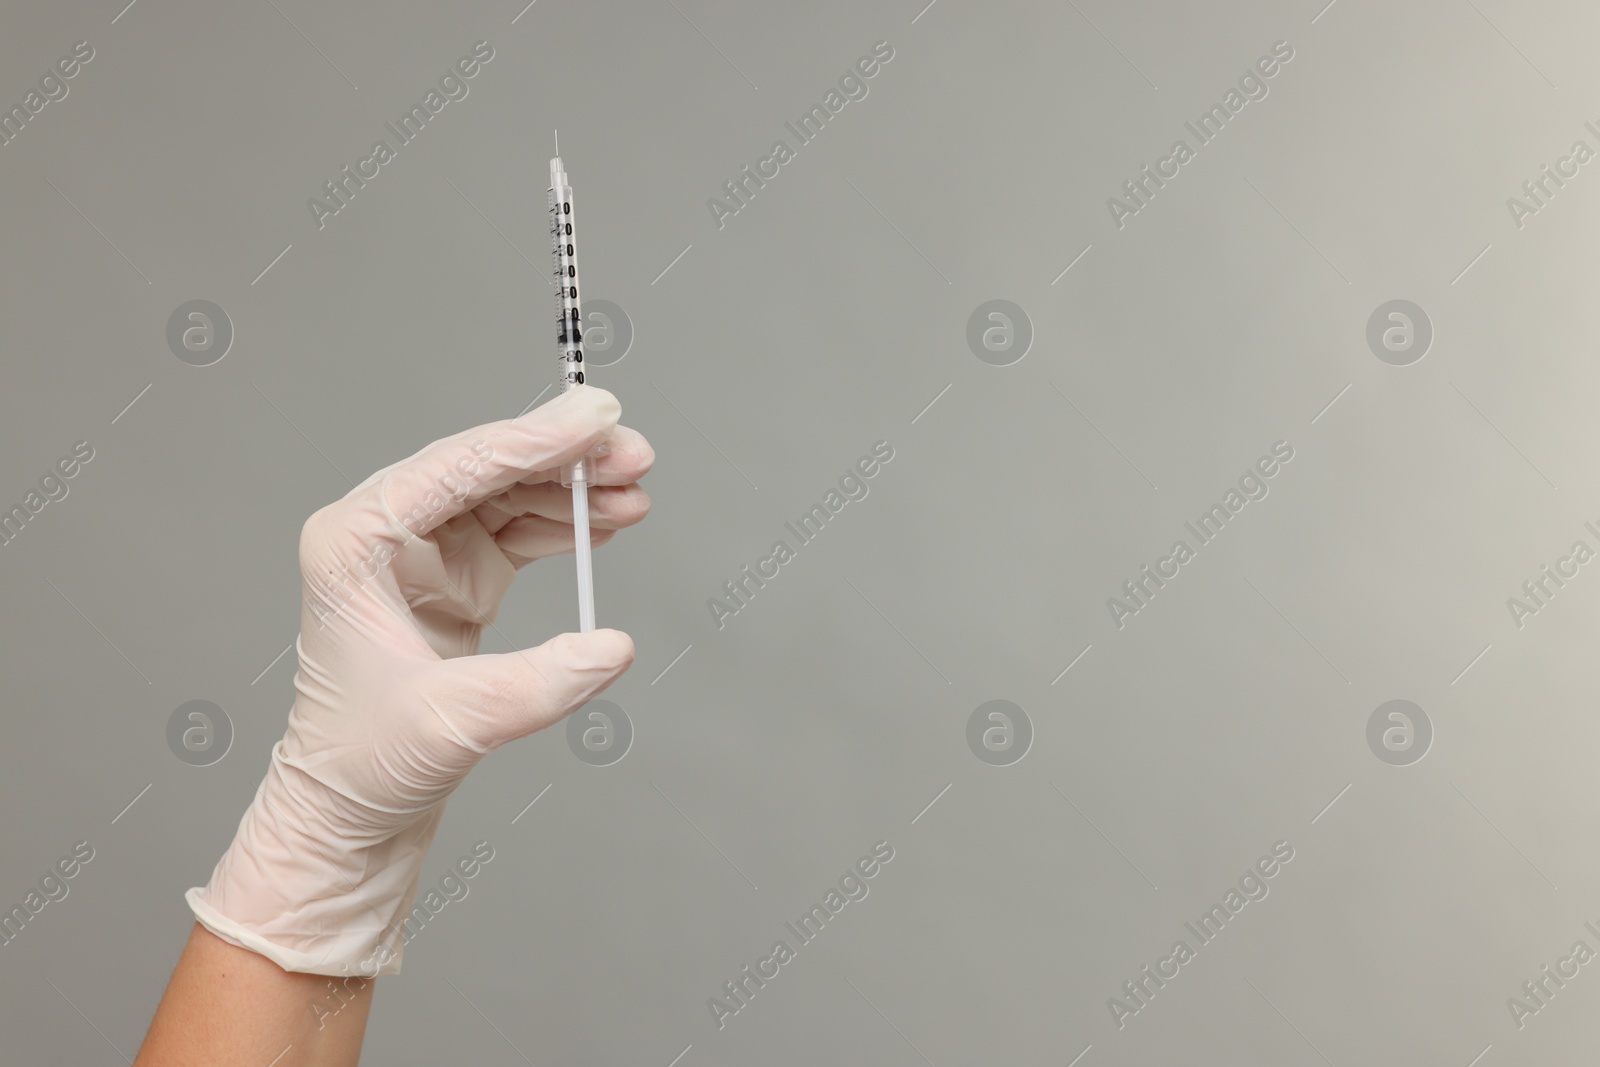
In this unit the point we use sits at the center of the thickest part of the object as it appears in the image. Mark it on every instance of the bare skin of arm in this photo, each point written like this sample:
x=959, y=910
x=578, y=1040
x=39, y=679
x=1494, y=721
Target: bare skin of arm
x=228, y=1007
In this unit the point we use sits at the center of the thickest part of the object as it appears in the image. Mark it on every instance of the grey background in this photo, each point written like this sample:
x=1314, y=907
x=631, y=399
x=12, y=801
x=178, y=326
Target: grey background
x=827, y=315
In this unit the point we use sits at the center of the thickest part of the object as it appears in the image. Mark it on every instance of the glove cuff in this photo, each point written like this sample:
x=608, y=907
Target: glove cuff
x=310, y=895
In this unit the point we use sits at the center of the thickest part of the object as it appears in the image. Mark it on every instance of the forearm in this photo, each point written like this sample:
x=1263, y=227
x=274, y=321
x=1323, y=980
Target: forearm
x=228, y=1006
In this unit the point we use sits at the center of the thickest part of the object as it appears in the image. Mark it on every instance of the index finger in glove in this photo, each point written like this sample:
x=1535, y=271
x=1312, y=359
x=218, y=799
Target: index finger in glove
x=628, y=457
x=454, y=475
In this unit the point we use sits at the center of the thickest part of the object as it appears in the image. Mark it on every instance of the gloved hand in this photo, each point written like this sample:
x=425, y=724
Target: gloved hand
x=393, y=706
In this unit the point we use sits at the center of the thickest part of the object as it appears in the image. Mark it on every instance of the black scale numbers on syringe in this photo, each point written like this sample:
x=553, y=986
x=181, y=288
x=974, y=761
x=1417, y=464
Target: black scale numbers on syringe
x=569, y=322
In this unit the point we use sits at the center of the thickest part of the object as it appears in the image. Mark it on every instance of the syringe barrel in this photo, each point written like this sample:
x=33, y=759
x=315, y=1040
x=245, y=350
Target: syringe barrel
x=569, y=319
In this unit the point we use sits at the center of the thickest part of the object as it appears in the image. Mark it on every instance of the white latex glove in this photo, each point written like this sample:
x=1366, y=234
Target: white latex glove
x=393, y=706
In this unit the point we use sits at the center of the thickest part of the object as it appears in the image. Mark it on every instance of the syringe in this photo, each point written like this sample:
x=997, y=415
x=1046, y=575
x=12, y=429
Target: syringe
x=570, y=333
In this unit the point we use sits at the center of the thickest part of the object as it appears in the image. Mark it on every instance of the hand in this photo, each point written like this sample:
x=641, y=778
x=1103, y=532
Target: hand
x=393, y=704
